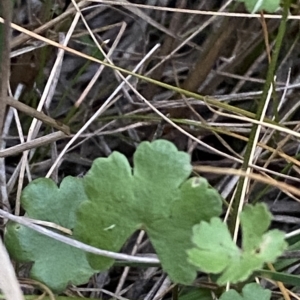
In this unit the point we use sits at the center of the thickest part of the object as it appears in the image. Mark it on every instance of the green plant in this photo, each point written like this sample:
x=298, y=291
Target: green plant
x=249, y=292
x=215, y=252
x=257, y=5
x=103, y=209
x=55, y=263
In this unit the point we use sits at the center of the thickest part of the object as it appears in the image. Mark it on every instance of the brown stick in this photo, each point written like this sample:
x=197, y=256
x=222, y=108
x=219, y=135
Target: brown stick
x=211, y=52
x=41, y=141
x=38, y=115
x=5, y=10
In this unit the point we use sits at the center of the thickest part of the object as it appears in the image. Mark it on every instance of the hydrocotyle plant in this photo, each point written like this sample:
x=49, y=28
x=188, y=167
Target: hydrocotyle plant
x=179, y=213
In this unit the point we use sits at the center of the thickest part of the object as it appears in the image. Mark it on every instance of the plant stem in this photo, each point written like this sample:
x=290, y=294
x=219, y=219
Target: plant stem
x=269, y=80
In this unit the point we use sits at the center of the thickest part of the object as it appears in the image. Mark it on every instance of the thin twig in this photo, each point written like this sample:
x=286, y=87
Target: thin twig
x=38, y=142
x=75, y=243
x=5, y=10
x=8, y=279
x=38, y=115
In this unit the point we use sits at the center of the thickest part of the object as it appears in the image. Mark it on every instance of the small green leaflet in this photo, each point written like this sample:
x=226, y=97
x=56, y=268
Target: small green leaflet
x=251, y=291
x=254, y=6
x=155, y=196
x=215, y=251
x=56, y=264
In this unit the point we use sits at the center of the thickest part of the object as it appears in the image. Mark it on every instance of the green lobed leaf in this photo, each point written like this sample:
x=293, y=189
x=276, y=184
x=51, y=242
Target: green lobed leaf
x=254, y=6
x=215, y=246
x=216, y=253
x=54, y=263
x=155, y=196
x=251, y=291
x=255, y=221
